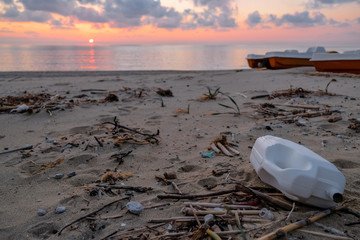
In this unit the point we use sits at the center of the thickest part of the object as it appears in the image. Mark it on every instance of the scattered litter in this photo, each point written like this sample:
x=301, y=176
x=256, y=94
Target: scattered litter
x=289, y=167
x=266, y=214
x=20, y=109
x=207, y=155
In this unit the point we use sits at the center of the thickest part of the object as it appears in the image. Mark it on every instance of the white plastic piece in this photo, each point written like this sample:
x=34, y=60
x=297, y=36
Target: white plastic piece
x=21, y=108
x=298, y=172
x=266, y=214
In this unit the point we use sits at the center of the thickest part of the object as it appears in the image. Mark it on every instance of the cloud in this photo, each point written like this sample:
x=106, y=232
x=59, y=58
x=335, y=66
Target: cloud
x=216, y=14
x=300, y=19
x=62, y=7
x=358, y=20
x=89, y=15
x=62, y=23
x=318, y=4
x=254, y=19
x=303, y=19
x=12, y=13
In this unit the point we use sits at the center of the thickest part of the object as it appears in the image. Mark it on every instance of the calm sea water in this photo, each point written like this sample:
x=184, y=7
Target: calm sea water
x=140, y=57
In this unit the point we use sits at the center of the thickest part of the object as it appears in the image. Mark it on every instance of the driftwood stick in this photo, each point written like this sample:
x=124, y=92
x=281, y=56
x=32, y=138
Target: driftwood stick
x=27, y=147
x=99, y=142
x=298, y=106
x=220, y=205
x=326, y=235
x=233, y=150
x=188, y=211
x=117, y=126
x=215, y=148
x=293, y=226
x=308, y=114
x=280, y=203
x=201, y=218
x=331, y=229
x=127, y=232
x=194, y=213
x=89, y=214
x=176, y=188
x=224, y=150
x=136, y=189
x=171, y=235
x=177, y=196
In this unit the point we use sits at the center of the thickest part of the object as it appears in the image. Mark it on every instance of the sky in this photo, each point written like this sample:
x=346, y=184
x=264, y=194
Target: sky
x=178, y=21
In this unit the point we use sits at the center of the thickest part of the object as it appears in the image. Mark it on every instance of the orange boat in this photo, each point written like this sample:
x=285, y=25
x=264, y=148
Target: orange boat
x=292, y=58
x=347, y=62
x=257, y=61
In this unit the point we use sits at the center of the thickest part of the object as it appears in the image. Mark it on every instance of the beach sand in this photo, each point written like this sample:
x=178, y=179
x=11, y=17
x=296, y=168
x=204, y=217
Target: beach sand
x=70, y=134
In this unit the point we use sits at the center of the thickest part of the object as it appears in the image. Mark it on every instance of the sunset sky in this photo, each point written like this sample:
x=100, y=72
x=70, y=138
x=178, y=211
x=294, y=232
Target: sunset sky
x=177, y=21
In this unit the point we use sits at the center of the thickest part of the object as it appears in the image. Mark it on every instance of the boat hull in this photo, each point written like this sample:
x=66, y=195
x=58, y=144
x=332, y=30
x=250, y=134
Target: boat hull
x=284, y=62
x=258, y=63
x=338, y=66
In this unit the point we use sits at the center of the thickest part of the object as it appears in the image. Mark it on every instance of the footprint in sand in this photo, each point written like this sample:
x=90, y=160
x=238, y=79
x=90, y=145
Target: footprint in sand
x=345, y=164
x=81, y=129
x=42, y=230
x=207, y=182
x=189, y=168
x=81, y=159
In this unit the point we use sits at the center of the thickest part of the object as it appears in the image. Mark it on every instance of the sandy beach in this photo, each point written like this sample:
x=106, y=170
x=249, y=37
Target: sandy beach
x=103, y=139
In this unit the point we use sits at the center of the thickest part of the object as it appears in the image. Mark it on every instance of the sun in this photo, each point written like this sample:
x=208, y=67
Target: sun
x=91, y=40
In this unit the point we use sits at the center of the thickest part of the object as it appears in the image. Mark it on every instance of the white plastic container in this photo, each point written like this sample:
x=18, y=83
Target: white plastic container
x=298, y=172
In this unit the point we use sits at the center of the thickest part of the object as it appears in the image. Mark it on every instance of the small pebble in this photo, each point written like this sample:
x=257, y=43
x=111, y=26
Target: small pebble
x=72, y=174
x=41, y=212
x=59, y=176
x=209, y=218
x=339, y=136
x=305, y=133
x=60, y=209
x=68, y=145
x=49, y=140
x=134, y=207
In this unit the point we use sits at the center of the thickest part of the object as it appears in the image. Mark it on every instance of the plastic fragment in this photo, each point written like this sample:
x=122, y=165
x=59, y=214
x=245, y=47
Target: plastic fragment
x=207, y=155
x=21, y=108
x=266, y=214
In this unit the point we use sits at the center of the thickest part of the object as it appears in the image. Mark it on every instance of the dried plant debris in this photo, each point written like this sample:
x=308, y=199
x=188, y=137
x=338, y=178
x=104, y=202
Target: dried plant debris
x=299, y=92
x=355, y=124
x=124, y=134
x=35, y=168
x=164, y=92
x=221, y=145
x=289, y=113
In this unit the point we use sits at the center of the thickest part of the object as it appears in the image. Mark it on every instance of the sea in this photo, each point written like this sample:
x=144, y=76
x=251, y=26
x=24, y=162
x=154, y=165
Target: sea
x=189, y=56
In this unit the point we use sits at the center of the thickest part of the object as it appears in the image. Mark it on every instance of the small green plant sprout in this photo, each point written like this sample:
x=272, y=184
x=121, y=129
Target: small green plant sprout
x=211, y=95
x=236, y=108
x=187, y=111
x=327, y=85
